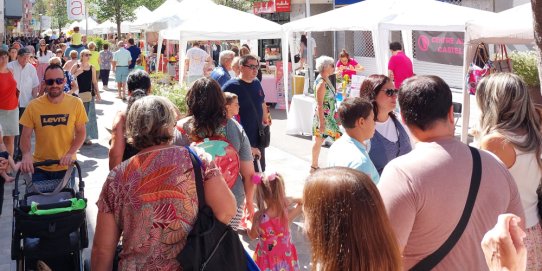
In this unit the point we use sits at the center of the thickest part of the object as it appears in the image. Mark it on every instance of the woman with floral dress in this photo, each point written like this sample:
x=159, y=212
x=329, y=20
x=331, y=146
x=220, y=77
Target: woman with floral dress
x=325, y=122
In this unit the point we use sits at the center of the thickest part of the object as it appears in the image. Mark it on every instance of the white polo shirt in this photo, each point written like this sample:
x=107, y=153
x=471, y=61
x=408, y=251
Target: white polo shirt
x=27, y=79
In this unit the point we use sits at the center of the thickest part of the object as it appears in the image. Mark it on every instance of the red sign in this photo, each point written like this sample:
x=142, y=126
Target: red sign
x=264, y=7
x=282, y=5
x=272, y=6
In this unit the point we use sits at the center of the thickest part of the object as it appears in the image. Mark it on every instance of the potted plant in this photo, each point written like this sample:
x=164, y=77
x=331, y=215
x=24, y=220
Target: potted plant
x=524, y=64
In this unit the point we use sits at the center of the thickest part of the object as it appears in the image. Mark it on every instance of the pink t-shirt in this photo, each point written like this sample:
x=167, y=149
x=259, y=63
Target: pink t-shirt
x=401, y=66
x=425, y=192
x=351, y=72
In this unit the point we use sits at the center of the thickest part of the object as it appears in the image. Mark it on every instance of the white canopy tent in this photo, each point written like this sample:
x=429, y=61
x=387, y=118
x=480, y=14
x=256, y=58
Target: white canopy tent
x=141, y=14
x=158, y=19
x=205, y=20
x=513, y=26
x=382, y=16
x=368, y=16
x=110, y=27
x=83, y=26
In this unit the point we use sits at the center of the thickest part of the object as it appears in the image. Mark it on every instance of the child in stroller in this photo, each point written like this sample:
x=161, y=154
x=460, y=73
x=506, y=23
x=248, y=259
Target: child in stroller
x=49, y=227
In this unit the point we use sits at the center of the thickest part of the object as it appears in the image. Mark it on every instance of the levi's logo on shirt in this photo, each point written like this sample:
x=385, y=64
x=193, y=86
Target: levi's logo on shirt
x=54, y=120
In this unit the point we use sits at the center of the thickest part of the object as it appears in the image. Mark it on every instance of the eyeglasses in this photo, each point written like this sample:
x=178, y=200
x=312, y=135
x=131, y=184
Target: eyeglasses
x=390, y=92
x=252, y=67
x=41, y=45
x=58, y=81
x=86, y=55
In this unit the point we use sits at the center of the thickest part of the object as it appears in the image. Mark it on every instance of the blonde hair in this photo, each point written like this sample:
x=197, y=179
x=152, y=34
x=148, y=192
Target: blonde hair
x=507, y=108
x=270, y=193
x=83, y=52
x=92, y=46
x=55, y=60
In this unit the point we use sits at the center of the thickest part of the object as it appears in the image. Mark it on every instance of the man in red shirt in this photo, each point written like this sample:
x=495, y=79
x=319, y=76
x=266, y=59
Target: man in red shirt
x=399, y=66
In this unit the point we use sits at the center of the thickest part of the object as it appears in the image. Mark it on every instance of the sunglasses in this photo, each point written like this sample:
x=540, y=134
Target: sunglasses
x=41, y=45
x=86, y=55
x=252, y=67
x=390, y=92
x=58, y=81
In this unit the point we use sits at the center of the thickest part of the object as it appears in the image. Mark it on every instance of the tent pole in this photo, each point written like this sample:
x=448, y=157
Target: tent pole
x=285, y=68
x=86, y=21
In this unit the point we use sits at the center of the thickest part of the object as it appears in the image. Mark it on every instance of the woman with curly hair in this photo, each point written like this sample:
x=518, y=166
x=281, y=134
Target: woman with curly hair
x=207, y=119
x=391, y=138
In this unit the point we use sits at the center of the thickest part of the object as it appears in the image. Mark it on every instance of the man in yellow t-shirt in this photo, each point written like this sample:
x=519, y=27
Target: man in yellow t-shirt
x=58, y=121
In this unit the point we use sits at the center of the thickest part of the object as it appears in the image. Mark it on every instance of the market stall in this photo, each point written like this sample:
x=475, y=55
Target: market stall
x=235, y=25
x=382, y=16
x=513, y=26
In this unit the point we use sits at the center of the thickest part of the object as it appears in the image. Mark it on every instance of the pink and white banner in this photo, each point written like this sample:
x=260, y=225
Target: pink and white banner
x=76, y=9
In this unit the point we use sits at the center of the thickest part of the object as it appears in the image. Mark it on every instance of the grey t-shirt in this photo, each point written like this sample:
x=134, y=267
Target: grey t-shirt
x=239, y=140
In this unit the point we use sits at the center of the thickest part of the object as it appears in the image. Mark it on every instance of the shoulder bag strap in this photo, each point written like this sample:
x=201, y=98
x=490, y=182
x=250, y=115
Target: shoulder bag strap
x=196, y=164
x=433, y=259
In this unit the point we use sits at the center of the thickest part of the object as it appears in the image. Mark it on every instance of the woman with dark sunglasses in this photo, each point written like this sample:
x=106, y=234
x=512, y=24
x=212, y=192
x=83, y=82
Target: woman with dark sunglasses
x=390, y=139
x=88, y=92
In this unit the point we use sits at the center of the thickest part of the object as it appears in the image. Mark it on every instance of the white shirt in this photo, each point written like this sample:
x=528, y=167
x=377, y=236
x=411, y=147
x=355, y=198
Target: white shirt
x=387, y=129
x=45, y=58
x=196, y=61
x=27, y=79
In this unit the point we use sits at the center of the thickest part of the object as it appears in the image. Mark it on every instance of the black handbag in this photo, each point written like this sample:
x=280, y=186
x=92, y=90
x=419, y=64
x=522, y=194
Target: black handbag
x=430, y=261
x=211, y=245
x=264, y=132
x=297, y=57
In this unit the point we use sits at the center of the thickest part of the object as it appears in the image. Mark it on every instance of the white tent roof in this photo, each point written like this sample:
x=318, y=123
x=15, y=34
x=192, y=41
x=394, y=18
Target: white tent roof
x=142, y=14
x=217, y=22
x=159, y=16
x=512, y=26
x=431, y=15
x=82, y=25
x=360, y=16
x=110, y=27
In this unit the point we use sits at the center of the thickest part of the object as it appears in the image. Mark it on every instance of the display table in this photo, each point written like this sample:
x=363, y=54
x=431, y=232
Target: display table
x=301, y=115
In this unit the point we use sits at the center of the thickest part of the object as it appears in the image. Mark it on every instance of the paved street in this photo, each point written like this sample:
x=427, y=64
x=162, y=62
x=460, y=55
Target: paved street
x=288, y=155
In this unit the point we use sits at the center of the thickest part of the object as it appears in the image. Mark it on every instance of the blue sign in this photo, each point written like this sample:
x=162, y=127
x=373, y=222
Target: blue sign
x=346, y=2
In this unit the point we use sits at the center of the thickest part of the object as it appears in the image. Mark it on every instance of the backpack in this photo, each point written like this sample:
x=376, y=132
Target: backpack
x=225, y=156
x=223, y=153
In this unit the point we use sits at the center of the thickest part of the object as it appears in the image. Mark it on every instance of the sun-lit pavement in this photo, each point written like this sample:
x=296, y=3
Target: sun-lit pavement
x=288, y=155
x=94, y=163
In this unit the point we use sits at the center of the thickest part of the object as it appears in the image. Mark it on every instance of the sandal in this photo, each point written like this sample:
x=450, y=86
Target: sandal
x=313, y=169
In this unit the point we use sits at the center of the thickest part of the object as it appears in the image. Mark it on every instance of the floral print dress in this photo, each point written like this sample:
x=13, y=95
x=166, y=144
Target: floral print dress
x=331, y=117
x=275, y=250
x=153, y=199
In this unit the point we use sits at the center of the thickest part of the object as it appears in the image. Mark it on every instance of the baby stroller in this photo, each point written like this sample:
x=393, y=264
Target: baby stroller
x=49, y=225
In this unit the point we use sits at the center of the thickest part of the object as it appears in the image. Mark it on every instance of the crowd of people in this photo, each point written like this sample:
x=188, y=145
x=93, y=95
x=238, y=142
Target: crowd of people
x=394, y=189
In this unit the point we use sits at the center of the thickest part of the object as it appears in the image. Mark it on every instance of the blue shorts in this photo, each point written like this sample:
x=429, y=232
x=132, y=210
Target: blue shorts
x=121, y=73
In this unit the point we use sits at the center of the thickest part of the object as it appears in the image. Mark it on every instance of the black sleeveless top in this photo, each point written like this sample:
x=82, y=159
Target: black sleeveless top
x=84, y=81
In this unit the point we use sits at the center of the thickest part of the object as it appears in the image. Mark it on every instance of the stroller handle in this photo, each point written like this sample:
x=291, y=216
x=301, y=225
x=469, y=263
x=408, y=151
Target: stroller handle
x=15, y=193
x=46, y=163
